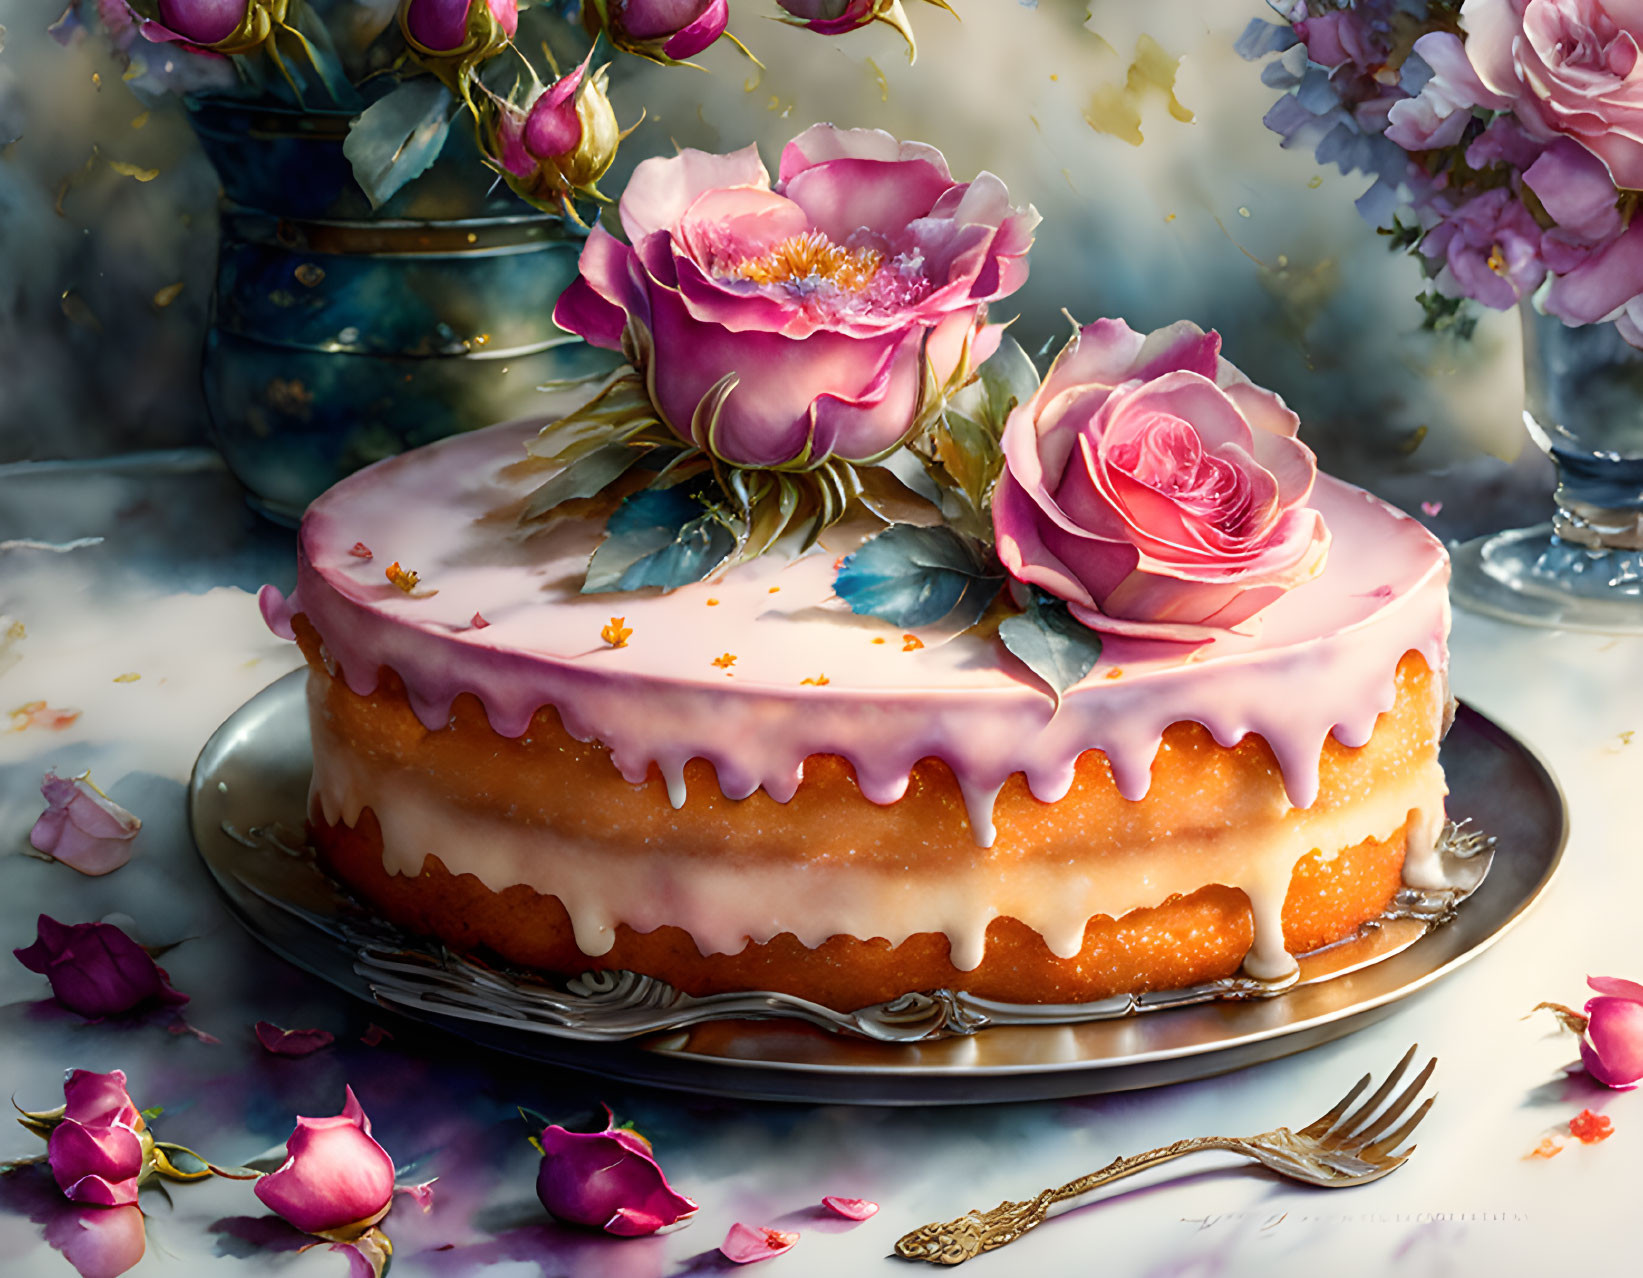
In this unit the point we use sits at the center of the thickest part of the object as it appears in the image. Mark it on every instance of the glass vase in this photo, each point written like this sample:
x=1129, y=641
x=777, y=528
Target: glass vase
x=1583, y=406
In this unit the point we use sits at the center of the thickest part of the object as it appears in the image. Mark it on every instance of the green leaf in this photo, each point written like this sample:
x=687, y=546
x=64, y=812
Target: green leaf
x=1052, y=643
x=587, y=476
x=398, y=136
x=913, y=576
x=660, y=537
x=1008, y=378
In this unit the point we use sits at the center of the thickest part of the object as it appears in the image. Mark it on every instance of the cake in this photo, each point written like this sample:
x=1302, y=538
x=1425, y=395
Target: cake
x=758, y=789
x=829, y=649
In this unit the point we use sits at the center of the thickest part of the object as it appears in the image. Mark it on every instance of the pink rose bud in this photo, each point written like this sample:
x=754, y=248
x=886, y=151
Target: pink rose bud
x=95, y=969
x=606, y=1180
x=203, y=22
x=837, y=17
x=1155, y=488
x=560, y=141
x=665, y=30
x=95, y=1152
x=1612, y=1046
x=334, y=1176
x=450, y=26
x=82, y=827
x=99, y=1242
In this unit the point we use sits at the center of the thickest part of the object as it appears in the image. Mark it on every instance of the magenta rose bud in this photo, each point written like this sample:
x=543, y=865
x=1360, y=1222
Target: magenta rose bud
x=443, y=26
x=824, y=298
x=830, y=17
x=100, y=1242
x=663, y=29
x=95, y=969
x=606, y=1180
x=82, y=827
x=203, y=22
x=334, y=1175
x=1612, y=1046
x=95, y=1152
x=1155, y=488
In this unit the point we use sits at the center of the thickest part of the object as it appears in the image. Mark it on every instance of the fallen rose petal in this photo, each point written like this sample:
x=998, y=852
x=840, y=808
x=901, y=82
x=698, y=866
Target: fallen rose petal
x=95, y=969
x=375, y=1035
x=82, y=827
x=851, y=1208
x=746, y=1245
x=1590, y=1127
x=1432, y=509
x=422, y=1194
x=298, y=1042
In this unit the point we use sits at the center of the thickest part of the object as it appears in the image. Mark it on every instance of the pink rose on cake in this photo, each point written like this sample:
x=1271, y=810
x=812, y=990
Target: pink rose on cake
x=1155, y=488
x=784, y=326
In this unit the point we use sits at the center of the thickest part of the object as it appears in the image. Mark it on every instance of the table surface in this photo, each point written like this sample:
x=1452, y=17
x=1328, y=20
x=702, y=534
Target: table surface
x=149, y=567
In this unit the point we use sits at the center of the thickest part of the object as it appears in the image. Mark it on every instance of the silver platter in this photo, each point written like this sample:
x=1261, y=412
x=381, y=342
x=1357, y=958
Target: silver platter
x=248, y=798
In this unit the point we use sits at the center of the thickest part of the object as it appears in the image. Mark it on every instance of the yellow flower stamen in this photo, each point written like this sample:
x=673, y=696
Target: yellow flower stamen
x=812, y=256
x=616, y=634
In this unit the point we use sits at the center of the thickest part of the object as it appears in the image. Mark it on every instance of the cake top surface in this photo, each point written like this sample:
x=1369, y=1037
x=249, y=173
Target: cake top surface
x=761, y=666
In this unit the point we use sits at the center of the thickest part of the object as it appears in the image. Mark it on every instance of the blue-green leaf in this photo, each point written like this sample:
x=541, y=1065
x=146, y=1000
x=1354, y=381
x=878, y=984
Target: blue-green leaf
x=1052, y=643
x=1008, y=378
x=660, y=537
x=912, y=576
x=398, y=136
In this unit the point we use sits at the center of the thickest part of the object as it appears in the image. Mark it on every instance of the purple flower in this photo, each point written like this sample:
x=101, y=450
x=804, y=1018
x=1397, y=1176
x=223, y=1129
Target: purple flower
x=95, y=969
x=824, y=300
x=334, y=1178
x=607, y=1180
x=1155, y=488
x=1439, y=114
x=662, y=30
x=449, y=26
x=1612, y=1046
x=202, y=22
x=1574, y=188
x=1489, y=249
x=95, y=1151
x=82, y=827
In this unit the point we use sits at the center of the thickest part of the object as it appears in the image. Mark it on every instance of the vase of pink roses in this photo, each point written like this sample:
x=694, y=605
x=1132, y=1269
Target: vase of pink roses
x=1504, y=144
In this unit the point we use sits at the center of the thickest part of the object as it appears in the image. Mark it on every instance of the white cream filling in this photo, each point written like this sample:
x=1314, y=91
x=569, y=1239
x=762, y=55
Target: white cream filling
x=724, y=906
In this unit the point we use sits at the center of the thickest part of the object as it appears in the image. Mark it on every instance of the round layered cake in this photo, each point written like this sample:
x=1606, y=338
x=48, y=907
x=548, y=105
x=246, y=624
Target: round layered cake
x=741, y=784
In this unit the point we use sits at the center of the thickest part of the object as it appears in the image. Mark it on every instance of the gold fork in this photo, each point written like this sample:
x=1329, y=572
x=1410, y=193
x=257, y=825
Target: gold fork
x=1333, y=1152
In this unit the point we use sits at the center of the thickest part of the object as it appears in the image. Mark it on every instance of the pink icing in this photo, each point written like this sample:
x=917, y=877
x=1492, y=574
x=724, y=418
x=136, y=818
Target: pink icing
x=1320, y=660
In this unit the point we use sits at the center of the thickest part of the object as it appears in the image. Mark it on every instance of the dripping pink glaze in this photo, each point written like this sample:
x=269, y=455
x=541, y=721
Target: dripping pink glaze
x=1322, y=659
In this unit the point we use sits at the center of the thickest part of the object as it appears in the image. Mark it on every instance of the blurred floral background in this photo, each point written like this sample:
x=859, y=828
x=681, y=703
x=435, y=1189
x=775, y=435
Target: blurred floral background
x=1134, y=127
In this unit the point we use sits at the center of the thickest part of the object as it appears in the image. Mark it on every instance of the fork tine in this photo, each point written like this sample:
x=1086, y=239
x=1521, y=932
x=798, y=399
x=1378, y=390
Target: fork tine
x=1343, y=1129
x=1318, y=1127
x=1404, y=1100
x=1381, y=1148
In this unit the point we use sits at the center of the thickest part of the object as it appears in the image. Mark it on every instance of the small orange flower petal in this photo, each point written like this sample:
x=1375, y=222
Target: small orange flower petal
x=616, y=634
x=406, y=581
x=911, y=643
x=726, y=661
x=818, y=682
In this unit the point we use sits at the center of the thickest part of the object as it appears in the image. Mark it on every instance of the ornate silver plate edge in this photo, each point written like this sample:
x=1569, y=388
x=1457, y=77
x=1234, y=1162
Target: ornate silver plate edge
x=255, y=766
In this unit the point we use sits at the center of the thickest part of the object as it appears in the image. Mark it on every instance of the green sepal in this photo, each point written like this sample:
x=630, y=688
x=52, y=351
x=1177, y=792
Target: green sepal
x=1052, y=643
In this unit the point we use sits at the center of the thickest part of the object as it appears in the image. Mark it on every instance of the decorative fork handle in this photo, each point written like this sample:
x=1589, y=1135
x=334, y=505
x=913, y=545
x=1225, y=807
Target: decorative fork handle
x=955, y=1241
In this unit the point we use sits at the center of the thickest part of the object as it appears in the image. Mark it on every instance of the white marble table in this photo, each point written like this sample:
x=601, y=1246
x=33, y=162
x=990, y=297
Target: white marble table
x=167, y=595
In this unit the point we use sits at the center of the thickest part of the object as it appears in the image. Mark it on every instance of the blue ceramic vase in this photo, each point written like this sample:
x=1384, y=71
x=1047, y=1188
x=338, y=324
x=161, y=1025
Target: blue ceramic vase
x=340, y=334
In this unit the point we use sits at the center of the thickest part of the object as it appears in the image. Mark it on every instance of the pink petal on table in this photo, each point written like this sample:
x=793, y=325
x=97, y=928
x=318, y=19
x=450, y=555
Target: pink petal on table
x=851, y=1208
x=375, y=1035
x=359, y=550
x=298, y=1042
x=478, y=622
x=744, y=1244
x=1432, y=509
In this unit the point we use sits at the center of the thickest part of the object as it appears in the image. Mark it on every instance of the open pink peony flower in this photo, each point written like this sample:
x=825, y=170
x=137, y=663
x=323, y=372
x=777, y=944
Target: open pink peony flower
x=1155, y=488
x=96, y=1151
x=1612, y=1046
x=1565, y=67
x=816, y=303
x=82, y=827
x=95, y=969
x=607, y=1180
x=335, y=1177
